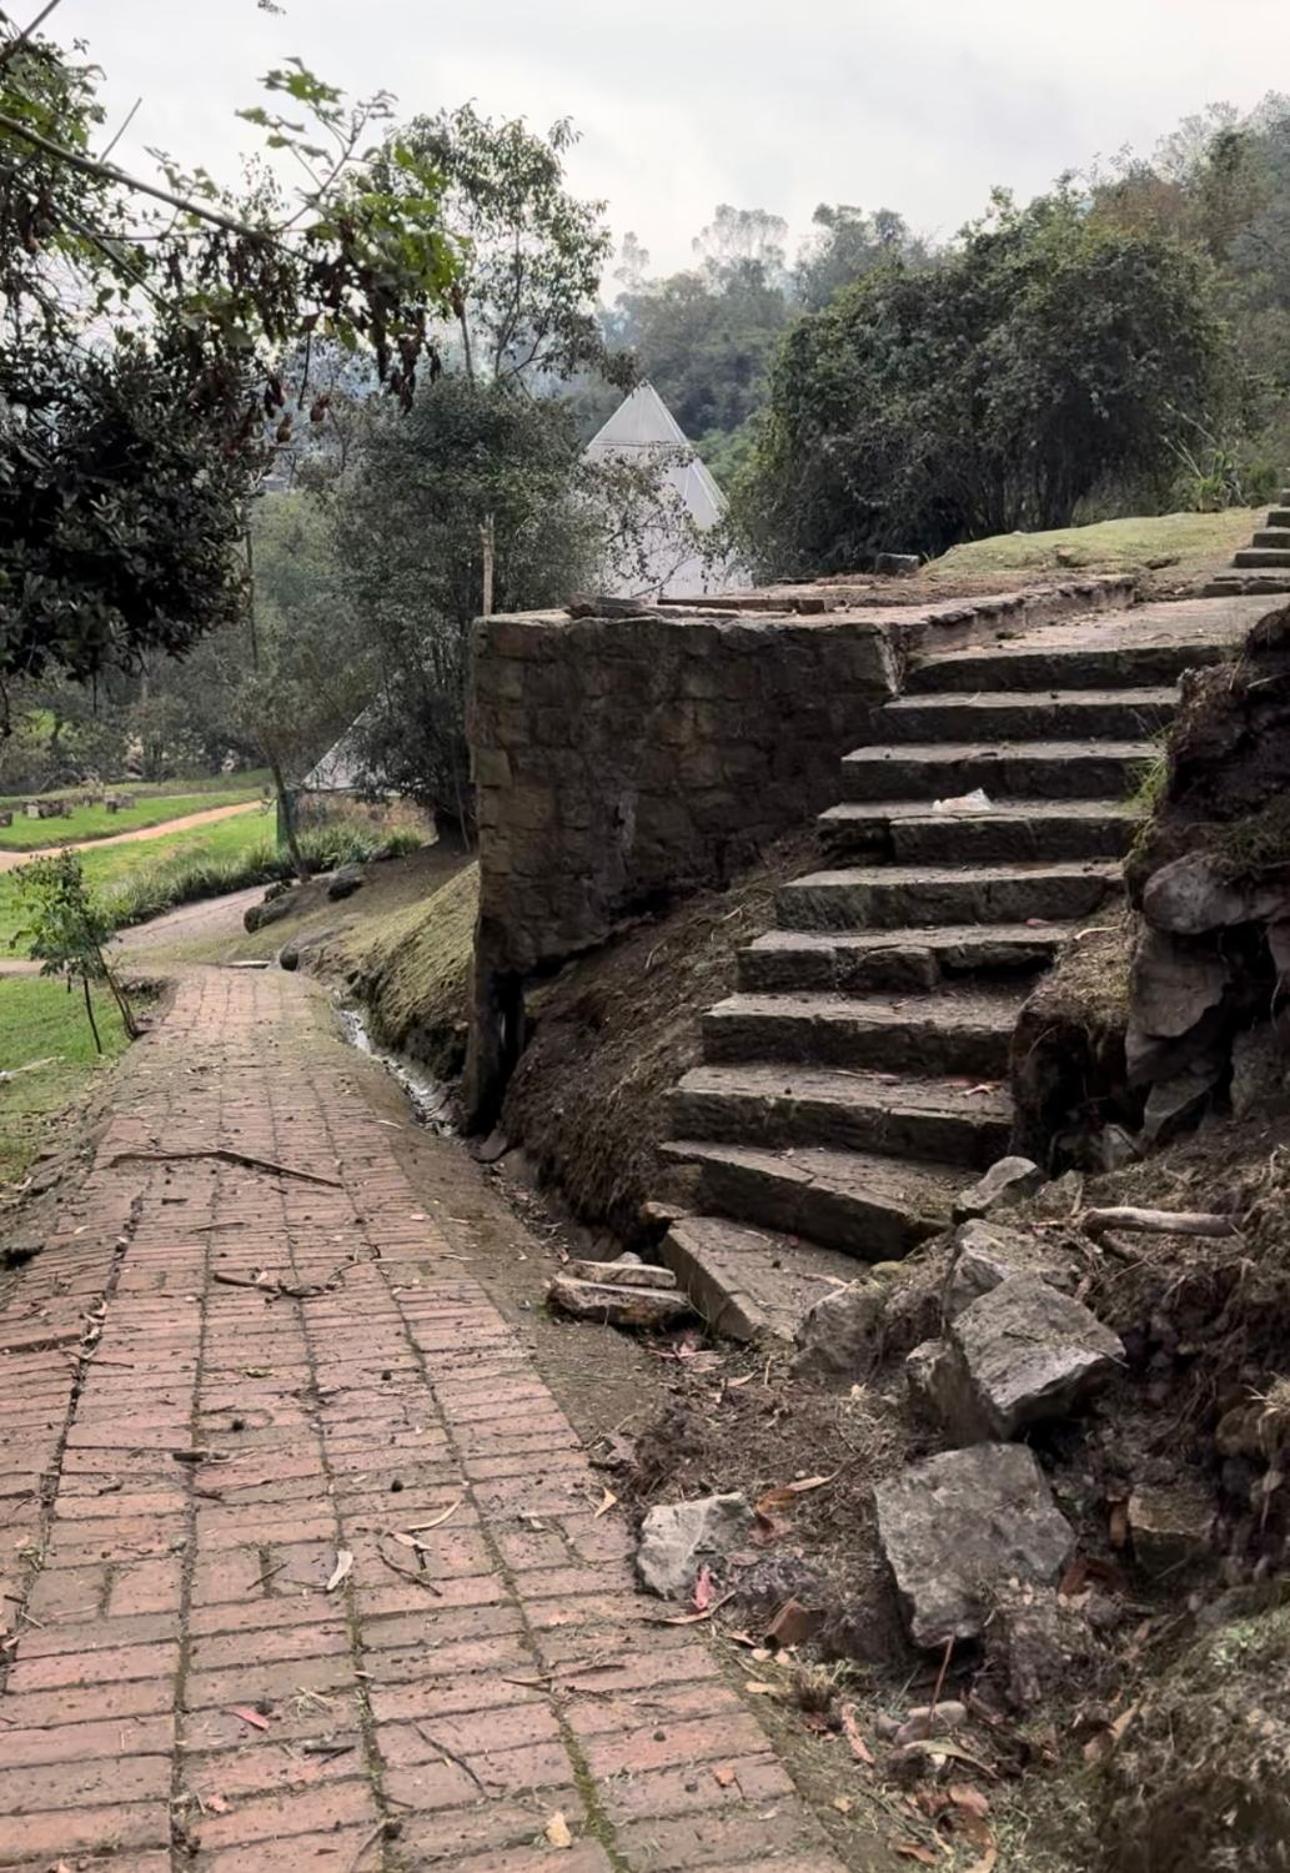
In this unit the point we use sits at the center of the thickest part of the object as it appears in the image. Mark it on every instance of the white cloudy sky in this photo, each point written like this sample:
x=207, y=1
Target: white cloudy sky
x=919, y=105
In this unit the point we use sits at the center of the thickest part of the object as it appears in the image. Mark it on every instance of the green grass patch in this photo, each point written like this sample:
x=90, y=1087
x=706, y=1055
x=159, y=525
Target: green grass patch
x=1192, y=540
x=145, y=880
x=95, y=822
x=41, y=1021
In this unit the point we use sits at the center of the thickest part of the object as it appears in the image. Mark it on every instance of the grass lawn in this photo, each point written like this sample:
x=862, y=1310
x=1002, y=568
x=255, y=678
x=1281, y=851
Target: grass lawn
x=226, y=841
x=1194, y=542
x=39, y=1020
x=95, y=822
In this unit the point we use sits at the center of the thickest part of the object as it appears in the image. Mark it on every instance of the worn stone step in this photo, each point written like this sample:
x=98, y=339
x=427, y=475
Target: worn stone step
x=956, y=1031
x=860, y=961
x=891, y=897
x=874, y=1208
x=1248, y=585
x=1279, y=517
x=752, y=1285
x=1272, y=535
x=1023, y=770
x=1000, y=715
x=1147, y=646
x=906, y=832
x=943, y=1120
x=1262, y=556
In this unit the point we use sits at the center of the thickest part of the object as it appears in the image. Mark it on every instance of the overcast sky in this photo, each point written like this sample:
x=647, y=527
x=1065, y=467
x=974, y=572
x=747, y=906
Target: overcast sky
x=919, y=105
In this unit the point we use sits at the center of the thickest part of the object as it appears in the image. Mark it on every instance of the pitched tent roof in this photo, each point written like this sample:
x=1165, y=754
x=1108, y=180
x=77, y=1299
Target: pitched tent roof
x=643, y=425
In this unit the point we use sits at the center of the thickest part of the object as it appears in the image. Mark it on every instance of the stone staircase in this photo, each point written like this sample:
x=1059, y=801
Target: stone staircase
x=1263, y=567
x=858, y=1078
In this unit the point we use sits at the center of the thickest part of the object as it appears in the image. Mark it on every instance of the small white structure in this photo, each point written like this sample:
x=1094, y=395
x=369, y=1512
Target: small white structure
x=643, y=427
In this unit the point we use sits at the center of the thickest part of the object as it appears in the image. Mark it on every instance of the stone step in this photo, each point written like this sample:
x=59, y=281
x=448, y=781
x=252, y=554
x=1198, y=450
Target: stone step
x=1262, y=556
x=1047, y=770
x=1149, y=646
x=904, y=831
x=942, y=1120
x=876, y=1209
x=1248, y=585
x=752, y=1285
x=956, y=1031
x=1279, y=517
x=861, y=961
x=1086, y=715
x=1272, y=535
x=894, y=897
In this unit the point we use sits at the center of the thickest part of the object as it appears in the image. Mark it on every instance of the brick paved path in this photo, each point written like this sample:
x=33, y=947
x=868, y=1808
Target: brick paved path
x=461, y=1685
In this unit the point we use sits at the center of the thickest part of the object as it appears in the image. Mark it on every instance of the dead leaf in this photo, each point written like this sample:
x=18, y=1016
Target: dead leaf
x=218, y=1804
x=557, y=1831
x=701, y=1599
x=723, y=1776
x=250, y=1716
x=1106, y=1740
x=969, y=1799
x=1119, y=1532
x=942, y=1746
x=843, y=1804
x=696, y=1619
x=755, y=1688
x=987, y=1861
x=436, y=1521
x=781, y=1497
x=913, y=1851
x=851, y=1730
x=607, y=1503
x=344, y=1562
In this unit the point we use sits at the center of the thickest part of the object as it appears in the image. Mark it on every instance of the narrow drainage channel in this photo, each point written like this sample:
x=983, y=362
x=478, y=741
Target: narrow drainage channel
x=429, y=1098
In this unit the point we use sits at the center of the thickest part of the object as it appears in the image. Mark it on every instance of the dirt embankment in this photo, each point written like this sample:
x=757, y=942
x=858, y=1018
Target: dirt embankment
x=612, y=1033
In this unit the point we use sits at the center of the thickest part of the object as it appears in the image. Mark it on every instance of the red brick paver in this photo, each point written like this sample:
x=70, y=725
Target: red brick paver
x=188, y=1463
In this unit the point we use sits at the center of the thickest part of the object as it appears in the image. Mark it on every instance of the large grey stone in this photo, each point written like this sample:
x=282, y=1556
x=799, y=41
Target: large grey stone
x=1023, y=1353
x=1008, y=1181
x=345, y=881
x=987, y=1254
x=1192, y=895
x=838, y=1338
x=678, y=1537
x=956, y=1529
x=1175, y=1103
x=1174, y=984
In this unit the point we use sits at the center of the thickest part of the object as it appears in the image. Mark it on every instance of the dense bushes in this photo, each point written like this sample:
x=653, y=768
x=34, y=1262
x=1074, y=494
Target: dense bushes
x=1046, y=355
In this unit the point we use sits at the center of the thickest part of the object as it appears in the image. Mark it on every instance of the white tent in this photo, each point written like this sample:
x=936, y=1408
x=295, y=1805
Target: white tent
x=643, y=427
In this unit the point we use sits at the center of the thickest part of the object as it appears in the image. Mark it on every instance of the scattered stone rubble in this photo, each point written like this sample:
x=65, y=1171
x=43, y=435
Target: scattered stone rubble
x=622, y=1293
x=678, y=1537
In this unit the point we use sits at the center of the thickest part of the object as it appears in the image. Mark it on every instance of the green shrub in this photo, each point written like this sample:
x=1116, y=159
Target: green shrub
x=155, y=889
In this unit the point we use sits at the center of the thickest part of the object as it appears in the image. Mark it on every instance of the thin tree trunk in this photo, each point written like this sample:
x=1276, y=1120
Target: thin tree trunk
x=287, y=815
x=89, y=1009
x=488, y=540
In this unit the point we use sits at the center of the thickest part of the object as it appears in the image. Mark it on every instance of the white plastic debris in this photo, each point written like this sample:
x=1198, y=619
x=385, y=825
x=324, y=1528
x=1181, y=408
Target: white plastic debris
x=978, y=801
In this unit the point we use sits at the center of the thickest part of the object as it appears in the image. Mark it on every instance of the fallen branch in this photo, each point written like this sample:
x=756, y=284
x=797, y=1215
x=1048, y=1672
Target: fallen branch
x=289, y=1290
x=451, y=1756
x=227, y=1157
x=1158, y=1222
x=421, y=1580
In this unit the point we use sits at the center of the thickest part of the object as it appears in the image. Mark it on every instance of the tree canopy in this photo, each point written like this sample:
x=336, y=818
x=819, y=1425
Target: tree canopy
x=1045, y=355
x=141, y=389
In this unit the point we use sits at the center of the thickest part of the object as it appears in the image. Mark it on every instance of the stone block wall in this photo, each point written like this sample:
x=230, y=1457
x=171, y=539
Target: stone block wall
x=620, y=760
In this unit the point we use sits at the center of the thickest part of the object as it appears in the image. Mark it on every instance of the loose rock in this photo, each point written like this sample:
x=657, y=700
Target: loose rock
x=986, y=1254
x=1192, y=895
x=617, y=1305
x=1023, y=1353
x=633, y=1274
x=838, y=1338
x=1008, y=1181
x=678, y=1537
x=956, y=1528
x=345, y=881
x=1172, y=1528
